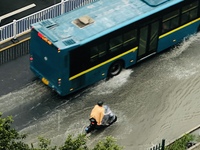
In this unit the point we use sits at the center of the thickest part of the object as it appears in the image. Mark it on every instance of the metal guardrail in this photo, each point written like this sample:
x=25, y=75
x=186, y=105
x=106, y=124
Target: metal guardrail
x=160, y=146
x=21, y=26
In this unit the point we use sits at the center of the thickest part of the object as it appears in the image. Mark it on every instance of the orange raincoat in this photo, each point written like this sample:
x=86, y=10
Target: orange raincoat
x=97, y=113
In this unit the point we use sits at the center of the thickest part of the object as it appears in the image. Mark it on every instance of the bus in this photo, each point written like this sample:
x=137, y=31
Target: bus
x=98, y=40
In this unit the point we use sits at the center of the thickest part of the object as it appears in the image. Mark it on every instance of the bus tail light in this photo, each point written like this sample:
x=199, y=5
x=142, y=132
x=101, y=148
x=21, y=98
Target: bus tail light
x=31, y=58
x=59, y=81
x=44, y=38
x=40, y=35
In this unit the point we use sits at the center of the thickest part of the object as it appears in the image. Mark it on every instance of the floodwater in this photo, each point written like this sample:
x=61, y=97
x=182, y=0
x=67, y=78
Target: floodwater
x=154, y=100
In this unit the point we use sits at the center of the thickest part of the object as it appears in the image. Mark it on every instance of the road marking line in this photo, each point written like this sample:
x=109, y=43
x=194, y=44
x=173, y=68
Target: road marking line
x=17, y=11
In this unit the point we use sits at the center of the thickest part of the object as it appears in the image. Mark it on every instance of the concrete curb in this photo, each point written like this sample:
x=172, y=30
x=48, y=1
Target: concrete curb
x=195, y=146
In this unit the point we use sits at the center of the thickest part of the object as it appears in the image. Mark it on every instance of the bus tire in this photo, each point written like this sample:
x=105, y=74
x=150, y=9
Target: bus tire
x=115, y=68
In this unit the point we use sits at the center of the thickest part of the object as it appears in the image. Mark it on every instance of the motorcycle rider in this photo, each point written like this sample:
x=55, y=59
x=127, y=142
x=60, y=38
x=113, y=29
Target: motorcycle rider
x=100, y=117
x=98, y=113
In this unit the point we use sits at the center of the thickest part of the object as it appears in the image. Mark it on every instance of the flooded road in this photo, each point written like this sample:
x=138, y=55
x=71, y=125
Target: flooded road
x=154, y=100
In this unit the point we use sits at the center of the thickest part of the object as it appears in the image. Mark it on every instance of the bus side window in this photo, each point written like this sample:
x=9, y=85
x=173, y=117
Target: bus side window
x=102, y=49
x=170, y=21
x=130, y=38
x=189, y=12
x=97, y=52
x=185, y=18
x=115, y=43
x=165, y=27
x=94, y=53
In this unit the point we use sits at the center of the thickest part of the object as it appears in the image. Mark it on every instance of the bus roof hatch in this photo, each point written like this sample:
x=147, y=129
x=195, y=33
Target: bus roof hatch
x=83, y=21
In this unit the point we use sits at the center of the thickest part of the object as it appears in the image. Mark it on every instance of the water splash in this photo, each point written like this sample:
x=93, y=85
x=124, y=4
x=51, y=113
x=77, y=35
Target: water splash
x=107, y=87
x=183, y=46
x=179, y=68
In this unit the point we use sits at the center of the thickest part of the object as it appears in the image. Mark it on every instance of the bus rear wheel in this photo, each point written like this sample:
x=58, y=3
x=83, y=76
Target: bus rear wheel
x=115, y=68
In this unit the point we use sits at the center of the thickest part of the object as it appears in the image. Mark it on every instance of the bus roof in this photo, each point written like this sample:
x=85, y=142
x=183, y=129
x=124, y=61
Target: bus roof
x=94, y=20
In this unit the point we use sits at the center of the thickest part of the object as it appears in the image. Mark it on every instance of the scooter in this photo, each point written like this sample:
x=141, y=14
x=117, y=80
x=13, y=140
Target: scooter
x=108, y=119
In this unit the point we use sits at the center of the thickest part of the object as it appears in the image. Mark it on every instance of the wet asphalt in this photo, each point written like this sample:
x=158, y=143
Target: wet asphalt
x=15, y=74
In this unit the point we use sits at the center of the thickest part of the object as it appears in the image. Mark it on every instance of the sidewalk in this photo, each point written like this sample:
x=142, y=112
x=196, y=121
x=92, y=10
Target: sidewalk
x=196, y=147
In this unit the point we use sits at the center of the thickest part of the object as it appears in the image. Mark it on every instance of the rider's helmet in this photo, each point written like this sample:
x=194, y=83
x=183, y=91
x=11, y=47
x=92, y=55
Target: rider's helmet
x=100, y=103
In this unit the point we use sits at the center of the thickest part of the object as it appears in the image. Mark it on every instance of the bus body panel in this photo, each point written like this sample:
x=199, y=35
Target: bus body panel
x=175, y=37
x=101, y=72
x=47, y=62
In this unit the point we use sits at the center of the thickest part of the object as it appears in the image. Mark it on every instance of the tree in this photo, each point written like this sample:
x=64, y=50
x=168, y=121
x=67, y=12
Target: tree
x=78, y=143
x=181, y=143
x=10, y=139
x=107, y=144
x=44, y=144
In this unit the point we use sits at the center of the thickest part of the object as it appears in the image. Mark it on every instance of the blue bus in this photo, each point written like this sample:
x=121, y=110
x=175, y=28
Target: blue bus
x=98, y=40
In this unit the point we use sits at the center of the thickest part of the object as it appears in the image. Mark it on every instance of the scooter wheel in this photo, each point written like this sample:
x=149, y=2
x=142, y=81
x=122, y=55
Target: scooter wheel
x=87, y=130
x=115, y=118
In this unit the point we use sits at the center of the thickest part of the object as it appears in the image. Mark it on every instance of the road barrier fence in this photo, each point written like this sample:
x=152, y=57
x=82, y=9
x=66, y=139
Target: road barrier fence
x=160, y=146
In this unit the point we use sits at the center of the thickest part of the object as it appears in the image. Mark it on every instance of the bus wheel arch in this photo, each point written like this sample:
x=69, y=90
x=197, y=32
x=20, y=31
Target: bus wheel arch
x=115, y=68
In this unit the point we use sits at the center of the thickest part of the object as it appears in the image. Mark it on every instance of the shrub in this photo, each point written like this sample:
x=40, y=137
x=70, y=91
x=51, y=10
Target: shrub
x=10, y=139
x=181, y=143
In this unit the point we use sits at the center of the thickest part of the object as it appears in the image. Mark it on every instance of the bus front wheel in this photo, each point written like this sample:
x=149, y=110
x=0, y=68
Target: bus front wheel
x=115, y=68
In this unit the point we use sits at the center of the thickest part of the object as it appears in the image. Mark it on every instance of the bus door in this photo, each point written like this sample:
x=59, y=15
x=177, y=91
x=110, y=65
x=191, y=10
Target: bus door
x=148, y=40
